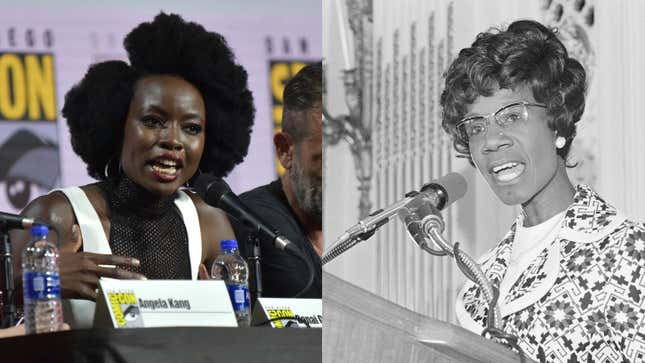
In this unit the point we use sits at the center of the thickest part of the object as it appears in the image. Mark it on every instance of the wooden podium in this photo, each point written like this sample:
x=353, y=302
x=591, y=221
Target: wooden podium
x=362, y=327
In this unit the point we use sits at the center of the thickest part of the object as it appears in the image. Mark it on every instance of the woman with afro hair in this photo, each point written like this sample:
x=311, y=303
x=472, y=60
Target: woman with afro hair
x=566, y=280
x=145, y=130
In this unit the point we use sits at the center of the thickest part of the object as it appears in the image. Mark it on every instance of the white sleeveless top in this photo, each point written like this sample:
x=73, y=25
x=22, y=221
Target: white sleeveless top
x=79, y=313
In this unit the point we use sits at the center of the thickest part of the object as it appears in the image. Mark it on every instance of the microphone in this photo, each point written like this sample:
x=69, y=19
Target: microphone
x=422, y=219
x=217, y=193
x=445, y=190
x=438, y=193
x=15, y=221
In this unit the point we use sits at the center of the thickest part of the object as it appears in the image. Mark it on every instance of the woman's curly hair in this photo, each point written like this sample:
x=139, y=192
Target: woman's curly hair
x=526, y=54
x=97, y=107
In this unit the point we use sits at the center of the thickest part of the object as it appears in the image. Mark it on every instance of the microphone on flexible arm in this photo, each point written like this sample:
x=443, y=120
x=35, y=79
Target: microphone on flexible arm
x=438, y=194
x=422, y=217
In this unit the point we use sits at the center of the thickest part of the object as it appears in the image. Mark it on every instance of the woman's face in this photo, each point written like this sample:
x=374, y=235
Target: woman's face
x=164, y=133
x=517, y=162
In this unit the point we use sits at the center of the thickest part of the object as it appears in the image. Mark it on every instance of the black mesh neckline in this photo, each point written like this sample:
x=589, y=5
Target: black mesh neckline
x=149, y=228
x=125, y=196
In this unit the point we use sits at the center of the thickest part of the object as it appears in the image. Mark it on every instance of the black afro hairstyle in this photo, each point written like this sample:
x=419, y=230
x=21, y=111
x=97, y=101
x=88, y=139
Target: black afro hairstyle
x=526, y=54
x=96, y=108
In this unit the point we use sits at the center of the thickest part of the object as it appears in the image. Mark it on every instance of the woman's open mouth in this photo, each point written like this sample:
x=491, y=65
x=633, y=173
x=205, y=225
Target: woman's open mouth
x=507, y=172
x=165, y=169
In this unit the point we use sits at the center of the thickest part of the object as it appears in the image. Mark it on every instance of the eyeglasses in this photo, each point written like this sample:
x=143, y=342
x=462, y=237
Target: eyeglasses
x=474, y=128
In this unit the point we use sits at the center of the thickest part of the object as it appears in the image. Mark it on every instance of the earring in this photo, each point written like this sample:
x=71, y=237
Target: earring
x=560, y=142
x=110, y=167
x=106, y=171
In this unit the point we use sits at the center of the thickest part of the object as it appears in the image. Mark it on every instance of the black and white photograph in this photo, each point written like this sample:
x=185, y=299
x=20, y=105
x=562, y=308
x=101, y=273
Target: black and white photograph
x=482, y=181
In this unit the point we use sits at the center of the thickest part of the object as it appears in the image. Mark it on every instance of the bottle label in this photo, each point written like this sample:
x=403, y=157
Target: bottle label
x=239, y=294
x=41, y=285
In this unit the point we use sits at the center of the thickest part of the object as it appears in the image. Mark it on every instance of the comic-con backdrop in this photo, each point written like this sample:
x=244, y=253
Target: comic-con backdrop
x=45, y=49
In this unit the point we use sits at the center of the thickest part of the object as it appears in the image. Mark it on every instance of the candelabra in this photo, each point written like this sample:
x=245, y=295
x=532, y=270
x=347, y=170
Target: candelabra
x=354, y=127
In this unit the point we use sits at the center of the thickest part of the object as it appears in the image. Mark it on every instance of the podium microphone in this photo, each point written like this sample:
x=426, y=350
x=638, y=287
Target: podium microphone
x=439, y=193
x=217, y=193
x=15, y=221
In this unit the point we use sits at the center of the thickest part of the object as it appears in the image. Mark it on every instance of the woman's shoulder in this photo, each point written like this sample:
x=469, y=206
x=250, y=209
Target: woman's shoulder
x=627, y=232
x=48, y=206
x=618, y=255
x=630, y=235
x=205, y=211
x=52, y=208
x=634, y=226
x=56, y=205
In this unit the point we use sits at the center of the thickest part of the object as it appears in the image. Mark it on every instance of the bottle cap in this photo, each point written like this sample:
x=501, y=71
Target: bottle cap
x=228, y=244
x=39, y=230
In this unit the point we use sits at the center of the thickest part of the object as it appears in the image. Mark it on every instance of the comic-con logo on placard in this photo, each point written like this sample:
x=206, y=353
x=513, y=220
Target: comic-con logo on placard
x=125, y=309
x=284, y=316
x=280, y=72
x=27, y=88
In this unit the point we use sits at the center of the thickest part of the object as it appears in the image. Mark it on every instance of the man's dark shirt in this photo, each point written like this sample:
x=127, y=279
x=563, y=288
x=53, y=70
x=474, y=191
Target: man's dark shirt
x=283, y=274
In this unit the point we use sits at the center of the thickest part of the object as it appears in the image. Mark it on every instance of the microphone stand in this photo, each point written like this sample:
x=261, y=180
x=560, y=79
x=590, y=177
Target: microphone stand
x=428, y=227
x=348, y=241
x=255, y=268
x=365, y=228
x=6, y=268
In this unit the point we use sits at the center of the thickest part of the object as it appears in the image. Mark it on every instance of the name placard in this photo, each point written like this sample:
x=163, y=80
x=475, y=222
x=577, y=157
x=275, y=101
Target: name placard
x=287, y=310
x=161, y=303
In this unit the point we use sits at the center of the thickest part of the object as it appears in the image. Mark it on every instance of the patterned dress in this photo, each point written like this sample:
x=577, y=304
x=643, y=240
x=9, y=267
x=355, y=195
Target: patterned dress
x=582, y=299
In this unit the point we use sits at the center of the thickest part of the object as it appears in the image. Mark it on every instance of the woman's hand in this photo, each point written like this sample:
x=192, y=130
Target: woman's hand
x=80, y=271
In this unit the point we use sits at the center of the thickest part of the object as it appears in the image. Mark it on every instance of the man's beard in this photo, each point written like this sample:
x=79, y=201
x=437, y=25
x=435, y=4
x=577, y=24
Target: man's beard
x=308, y=191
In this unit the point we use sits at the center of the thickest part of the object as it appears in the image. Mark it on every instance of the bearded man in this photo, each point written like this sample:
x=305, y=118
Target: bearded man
x=293, y=203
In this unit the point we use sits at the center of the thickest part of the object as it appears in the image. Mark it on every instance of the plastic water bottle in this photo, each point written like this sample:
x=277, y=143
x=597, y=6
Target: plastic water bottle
x=41, y=284
x=231, y=268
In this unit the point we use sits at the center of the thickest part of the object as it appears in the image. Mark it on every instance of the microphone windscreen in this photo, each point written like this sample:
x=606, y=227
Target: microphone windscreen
x=211, y=188
x=453, y=183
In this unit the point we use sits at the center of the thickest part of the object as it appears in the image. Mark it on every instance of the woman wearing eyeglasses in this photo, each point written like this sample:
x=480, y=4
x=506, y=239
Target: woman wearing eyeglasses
x=570, y=270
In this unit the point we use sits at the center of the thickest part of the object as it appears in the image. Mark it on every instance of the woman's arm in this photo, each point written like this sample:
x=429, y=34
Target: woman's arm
x=79, y=271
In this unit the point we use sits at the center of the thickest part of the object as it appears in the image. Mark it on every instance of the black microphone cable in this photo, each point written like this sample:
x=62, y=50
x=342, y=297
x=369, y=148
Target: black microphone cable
x=291, y=247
